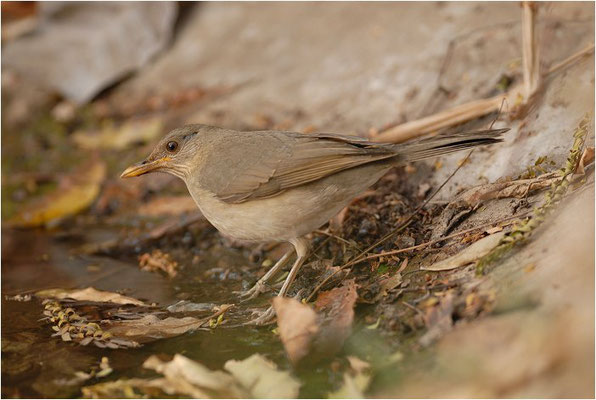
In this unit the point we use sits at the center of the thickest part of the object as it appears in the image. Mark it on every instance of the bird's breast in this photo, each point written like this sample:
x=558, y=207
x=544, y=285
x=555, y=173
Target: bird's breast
x=293, y=213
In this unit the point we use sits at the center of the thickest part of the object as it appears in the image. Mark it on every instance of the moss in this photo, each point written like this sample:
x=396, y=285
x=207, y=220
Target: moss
x=382, y=269
x=523, y=230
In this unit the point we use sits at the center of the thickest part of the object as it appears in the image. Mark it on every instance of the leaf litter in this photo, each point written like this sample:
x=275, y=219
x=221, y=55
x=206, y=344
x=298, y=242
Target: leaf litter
x=253, y=377
x=106, y=319
x=158, y=261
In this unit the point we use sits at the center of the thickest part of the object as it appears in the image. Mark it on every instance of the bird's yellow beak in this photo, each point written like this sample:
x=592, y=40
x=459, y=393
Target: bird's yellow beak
x=144, y=167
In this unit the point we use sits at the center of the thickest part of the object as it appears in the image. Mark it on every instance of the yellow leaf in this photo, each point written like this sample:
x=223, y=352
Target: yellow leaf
x=67, y=200
x=118, y=138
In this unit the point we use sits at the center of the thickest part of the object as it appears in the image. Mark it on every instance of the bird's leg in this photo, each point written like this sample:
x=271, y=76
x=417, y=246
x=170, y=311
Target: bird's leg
x=259, y=287
x=302, y=246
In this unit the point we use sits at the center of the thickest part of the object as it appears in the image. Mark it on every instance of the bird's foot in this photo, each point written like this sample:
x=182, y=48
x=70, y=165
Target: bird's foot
x=264, y=317
x=253, y=292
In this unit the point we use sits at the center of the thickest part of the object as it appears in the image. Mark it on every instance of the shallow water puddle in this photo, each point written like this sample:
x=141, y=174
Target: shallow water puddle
x=36, y=364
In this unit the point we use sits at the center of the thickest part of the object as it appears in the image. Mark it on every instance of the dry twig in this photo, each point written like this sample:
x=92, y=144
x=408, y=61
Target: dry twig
x=517, y=95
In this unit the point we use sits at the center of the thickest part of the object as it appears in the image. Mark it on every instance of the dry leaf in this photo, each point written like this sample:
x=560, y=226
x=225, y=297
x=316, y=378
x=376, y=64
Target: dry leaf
x=262, y=379
x=89, y=294
x=336, y=307
x=74, y=194
x=468, y=255
x=297, y=324
x=188, y=377
x=316, y=334
x=586, y=159
x=185, y=306
x=118, y=138
x=150, y=327
x=254, y=377
x=158, y=261
x=168, y=205
x=125, y=388
x=495, y=229
x=352, y=387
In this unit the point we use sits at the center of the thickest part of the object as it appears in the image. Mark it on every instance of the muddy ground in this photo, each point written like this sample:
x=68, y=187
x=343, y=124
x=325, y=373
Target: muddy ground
x=523, y=326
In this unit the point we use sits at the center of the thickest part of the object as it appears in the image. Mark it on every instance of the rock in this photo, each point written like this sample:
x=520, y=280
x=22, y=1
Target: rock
x=81, y=48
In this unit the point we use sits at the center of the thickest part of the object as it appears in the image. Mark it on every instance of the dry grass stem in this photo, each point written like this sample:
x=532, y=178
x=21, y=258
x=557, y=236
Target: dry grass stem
x=571, y=60
x=530, y=49
x=519, y=94
x=440, y=120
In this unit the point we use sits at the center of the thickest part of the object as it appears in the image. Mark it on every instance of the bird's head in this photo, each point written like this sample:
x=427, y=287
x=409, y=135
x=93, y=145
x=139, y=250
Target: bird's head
x=173, y=154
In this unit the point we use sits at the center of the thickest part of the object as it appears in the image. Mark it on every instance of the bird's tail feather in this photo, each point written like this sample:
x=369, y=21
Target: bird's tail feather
x=444, y=144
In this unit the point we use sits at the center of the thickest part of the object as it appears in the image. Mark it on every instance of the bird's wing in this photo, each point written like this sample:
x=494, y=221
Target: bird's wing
x=264, y=164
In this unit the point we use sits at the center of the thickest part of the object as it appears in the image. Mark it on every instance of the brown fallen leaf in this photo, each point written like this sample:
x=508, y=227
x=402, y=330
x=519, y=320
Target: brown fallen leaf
x=336, y=308
x=118, y=138
x=89, y=294
x=158, y=261
x=468, y=255
x=168, y=205
x=254, y=377
x=187, y=377
x=297, y=325
x=262, y=379
x=150, y=327
x=74, y=194
x=317, y=334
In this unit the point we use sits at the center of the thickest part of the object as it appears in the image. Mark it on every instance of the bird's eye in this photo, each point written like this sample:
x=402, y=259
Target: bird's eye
x=172, y=146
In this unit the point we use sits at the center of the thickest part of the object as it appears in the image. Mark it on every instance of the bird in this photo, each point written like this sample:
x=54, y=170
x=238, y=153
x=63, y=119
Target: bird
x=277, y=186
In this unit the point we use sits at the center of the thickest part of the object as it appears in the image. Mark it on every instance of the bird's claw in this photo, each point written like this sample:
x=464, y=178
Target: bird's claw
x=264, y=317
x=253, y=292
